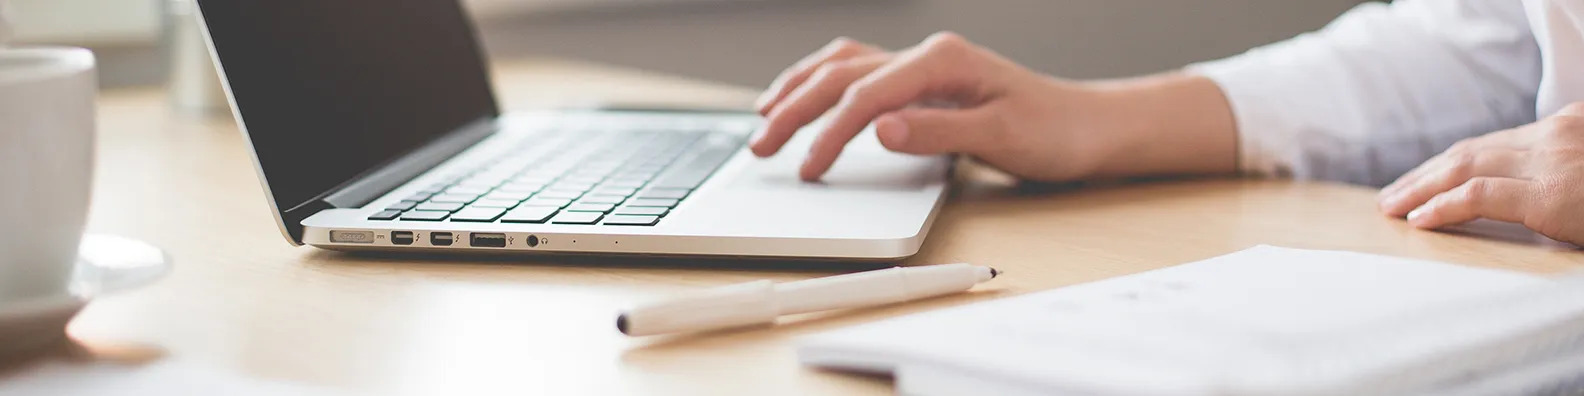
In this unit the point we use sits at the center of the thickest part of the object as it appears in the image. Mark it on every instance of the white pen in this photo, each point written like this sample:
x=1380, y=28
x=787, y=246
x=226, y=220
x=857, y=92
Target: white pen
x=760, y=302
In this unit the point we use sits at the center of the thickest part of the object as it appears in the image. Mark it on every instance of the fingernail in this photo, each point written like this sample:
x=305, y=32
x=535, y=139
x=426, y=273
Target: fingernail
x=762, y=101
x=1394, y=199
x=893, y=132
x=1416, y=213
x=1387, y=192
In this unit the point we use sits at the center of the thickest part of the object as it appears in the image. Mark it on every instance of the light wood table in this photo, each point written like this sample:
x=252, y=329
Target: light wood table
x=242, y=299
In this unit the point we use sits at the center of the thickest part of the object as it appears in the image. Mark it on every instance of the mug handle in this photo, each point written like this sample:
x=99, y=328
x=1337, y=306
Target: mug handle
x=109, y=263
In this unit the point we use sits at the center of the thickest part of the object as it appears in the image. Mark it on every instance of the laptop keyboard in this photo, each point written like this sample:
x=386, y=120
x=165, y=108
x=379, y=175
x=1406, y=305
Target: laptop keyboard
x=616, y=178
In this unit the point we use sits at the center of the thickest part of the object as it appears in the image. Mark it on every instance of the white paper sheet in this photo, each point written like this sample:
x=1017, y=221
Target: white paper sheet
x=1248, y=320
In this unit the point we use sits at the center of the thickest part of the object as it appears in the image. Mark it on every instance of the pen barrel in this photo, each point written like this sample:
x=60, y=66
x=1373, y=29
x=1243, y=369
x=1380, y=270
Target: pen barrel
x=736, y=305
x=880, y=287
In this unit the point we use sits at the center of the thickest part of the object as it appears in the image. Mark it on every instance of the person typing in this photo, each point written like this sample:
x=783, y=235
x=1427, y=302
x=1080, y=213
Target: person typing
x=1462, y=109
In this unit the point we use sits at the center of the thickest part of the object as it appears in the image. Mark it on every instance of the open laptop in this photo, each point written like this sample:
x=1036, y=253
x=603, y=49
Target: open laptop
x=373, y=126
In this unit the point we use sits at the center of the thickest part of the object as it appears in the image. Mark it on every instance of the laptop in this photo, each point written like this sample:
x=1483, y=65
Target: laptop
x=373, y=126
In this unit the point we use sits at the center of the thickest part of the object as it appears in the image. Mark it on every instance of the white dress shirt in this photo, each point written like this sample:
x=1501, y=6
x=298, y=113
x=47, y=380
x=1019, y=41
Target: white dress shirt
x=1385, y=87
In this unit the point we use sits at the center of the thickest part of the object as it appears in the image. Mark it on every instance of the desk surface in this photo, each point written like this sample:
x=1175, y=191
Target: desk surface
x=242, y=299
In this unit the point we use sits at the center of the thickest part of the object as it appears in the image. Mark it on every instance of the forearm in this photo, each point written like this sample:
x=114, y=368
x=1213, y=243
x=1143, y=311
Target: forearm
x=1166, y=124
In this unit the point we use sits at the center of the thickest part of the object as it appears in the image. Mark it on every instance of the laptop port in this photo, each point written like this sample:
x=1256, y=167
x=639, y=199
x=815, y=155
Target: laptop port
x=402, y=237
x=440, y=238
x=488, y=240
x=533, y=241
x=352, y=236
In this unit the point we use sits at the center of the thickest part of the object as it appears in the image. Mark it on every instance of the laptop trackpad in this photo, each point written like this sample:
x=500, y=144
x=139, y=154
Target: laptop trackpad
x=856, y=170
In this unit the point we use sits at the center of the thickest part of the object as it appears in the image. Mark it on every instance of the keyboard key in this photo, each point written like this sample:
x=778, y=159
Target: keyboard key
x=386, y=215
x=635, y=175
x=485, y=181
x=603, y=199
x=551, y=202
x=520, y=187
x=401, y=205
x=653, y=202
x=616, y=191
x=478, y=214
x=577, y=218
x=467, y=190
x=691, y=172
x=540, y=179
x=420, y=197
x=508, y=196
x=624, y=183
x=425, y=215
x=562, y=194
x=664, y=193
x=591, y=207
x=451, y=197
x=642, y=211
x=440, y=206
x=571, y=186
x=593, y=171
x=529, y=214
x=494, y=203
x=631, y=220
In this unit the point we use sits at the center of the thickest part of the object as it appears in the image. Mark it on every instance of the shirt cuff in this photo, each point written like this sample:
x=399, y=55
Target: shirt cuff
x=1265, y=144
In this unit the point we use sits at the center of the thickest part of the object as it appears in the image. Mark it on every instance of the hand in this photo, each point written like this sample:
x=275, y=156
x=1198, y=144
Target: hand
x=1027, y=124
x=999, y=106
x=1532, y=175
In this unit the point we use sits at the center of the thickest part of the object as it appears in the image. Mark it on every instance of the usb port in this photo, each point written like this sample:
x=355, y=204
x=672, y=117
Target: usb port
x=402, y=237
x=488, y=240
x=440, y=238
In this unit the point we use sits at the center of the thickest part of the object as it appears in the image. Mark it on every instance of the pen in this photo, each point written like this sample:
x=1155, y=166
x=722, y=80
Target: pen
x=760, y=302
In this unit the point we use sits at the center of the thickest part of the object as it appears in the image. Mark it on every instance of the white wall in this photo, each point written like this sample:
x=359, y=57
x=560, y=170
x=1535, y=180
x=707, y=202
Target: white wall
x=86, y=22
x=748, y=42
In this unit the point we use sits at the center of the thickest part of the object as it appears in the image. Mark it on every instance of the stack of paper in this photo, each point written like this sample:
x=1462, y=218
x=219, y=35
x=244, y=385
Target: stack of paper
x=1264, y=321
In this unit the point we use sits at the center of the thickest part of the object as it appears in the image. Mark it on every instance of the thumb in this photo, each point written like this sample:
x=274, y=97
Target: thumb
x=935, y=131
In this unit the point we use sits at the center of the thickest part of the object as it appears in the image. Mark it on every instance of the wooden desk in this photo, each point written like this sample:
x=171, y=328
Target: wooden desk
x=242, y=299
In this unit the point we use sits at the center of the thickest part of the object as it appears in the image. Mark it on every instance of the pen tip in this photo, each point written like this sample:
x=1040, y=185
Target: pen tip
x=621, y=323
x=994, y=273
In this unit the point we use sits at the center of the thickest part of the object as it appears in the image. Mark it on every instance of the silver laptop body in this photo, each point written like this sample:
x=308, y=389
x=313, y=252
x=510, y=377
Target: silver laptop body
x=373, y=127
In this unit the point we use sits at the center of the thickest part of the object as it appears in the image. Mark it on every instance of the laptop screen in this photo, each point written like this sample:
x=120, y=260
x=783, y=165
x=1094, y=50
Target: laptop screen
x=331, y=89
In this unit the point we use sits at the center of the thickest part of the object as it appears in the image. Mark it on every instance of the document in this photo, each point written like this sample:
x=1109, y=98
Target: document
x=1263, y=321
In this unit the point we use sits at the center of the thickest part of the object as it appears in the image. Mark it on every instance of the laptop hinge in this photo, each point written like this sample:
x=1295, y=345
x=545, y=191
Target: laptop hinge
x=294, y=217
x=370, y=186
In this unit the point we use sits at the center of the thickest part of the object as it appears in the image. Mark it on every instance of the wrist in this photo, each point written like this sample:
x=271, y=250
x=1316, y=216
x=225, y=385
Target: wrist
x=1168, y=124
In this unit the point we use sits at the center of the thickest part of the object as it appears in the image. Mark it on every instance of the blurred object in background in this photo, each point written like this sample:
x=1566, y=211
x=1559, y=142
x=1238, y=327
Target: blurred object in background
x=194, y=85
x=485, y=8
x=123, y=34
x=5, y=22
x=746, y=42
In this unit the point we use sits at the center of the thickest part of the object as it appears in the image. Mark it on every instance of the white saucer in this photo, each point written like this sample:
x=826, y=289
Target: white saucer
x=105, y=264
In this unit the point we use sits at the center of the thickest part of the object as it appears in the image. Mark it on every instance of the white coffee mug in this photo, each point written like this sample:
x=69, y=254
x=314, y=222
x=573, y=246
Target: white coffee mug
x=46, y=167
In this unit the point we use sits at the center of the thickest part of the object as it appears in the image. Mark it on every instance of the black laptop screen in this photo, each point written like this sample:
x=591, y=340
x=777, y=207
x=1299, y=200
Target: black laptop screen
x=331, y=89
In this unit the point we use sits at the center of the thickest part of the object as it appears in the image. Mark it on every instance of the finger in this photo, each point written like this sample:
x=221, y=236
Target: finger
x=1516, y=138
x=927, y=131
x=1451, y=171
x=841, y=48
x=939, y=65
x=1495, y=198
x=1575, y=109
x=812, y=99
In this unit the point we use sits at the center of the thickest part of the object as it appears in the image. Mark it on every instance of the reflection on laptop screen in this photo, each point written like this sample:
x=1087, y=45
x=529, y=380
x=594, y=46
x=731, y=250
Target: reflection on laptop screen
x=330, y=89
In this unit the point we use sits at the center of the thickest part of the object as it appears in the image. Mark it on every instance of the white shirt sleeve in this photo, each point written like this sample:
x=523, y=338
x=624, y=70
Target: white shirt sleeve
x=1381, y=89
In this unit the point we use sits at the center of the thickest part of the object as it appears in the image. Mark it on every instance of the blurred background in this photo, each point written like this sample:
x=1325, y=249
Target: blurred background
x=747, y=42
